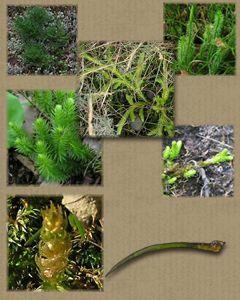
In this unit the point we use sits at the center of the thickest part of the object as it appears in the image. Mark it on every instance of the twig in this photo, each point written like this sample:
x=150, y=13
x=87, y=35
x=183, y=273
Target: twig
x=90, y=117
x=131, y=56
x=205, y=191
x=27, y=163
x=216, y=141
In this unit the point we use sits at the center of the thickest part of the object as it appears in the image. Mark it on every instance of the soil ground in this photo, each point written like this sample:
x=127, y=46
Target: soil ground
x=201, y=143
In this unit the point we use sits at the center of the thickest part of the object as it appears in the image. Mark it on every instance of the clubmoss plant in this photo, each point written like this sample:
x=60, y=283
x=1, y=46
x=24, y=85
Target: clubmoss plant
x=174, y=171
x=43, y=39
x=207, y=43
x=55, y=147
x=50, y=249
x=54, y=248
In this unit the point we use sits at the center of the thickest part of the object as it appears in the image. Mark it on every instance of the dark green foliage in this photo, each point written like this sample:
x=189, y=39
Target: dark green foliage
x=57, y=37
x=23, y=222
x=30, y=26
x=43, y=38
x=86, y=263
x=35, y=56
x=205, y=37
x=55, y=147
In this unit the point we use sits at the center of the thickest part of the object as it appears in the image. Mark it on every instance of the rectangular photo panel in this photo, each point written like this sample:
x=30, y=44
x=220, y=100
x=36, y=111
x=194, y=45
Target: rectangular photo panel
x=45, y=142
x=55, y=243
x=203, y=37
x=125, y=89
x=42, y=40
x=198, y=162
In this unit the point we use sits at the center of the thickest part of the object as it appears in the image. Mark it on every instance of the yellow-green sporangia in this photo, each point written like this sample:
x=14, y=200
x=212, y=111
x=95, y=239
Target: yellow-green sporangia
x=54, y=248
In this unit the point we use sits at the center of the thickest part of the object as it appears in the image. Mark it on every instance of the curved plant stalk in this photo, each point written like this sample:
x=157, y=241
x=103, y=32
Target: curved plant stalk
x=214, y=247
x=54, y=248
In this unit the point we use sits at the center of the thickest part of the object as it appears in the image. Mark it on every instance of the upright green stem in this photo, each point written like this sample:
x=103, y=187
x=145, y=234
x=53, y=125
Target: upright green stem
x=214, y=247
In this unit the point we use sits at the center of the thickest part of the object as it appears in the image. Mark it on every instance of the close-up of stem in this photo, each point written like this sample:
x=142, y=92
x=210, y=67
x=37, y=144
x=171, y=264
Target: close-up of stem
x=212, y=247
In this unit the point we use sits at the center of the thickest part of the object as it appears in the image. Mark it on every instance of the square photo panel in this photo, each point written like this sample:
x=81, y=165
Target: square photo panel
x=42, y=40
x=55, y=243
x=126, y=89
x=198, y=162
x=202, y=36
x=45, y=143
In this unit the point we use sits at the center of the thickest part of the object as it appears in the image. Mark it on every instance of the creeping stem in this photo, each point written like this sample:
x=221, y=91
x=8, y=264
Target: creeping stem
x=214, y=247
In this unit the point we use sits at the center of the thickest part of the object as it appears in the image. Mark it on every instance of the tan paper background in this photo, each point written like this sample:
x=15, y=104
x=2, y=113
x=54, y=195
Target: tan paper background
x=135, y=211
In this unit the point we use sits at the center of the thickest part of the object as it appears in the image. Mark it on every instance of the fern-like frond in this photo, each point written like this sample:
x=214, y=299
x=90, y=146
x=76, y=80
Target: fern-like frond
x=43, y=101
x=41, y=129
x=218, y=24
x=58, y=116
x=25, y=146
x=60, y=141
x=70, y=113
x=24, y=142
x=80, y=151
x=49, y=170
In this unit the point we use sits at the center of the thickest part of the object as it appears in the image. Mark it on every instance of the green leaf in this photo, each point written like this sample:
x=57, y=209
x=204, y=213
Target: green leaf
x=176, y=148
x=141, y=114
x=132, y=115
x=33, y=238
x=172, y=180
x=129, y=99
x=122, y=122
x=166, y=152
x=189, y=174
x=76, y=224
x=221, y=157
x=15, y=113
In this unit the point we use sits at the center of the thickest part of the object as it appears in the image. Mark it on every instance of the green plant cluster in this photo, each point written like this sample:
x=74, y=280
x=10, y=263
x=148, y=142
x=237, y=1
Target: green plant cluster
x=23, y=222
x=136, y=80
x=205, y=37
x=43, y=38
x=55, y=146
x=36, y=251
x=174, y=170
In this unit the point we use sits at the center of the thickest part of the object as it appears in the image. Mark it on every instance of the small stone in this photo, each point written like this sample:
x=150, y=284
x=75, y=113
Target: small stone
x=86, y=208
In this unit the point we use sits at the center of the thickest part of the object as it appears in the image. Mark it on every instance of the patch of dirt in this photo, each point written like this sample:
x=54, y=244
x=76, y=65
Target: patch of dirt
x=201, y=143
x=17, y=172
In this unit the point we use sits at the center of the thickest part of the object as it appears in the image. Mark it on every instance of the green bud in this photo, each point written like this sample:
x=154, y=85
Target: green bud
x=189, y=174
x=166, y=152
x=221, y=157
x=172, y=180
